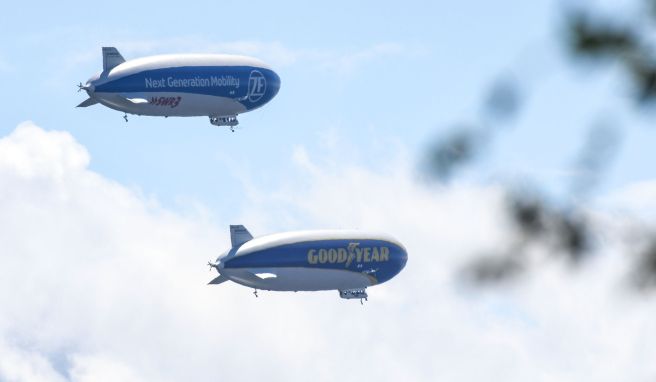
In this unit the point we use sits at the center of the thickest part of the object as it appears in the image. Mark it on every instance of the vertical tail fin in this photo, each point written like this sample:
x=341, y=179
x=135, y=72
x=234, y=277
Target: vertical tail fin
x=239, y=235
x=111, y=58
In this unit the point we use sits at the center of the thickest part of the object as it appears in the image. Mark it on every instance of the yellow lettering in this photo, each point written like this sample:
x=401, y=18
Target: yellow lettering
x=358, y=253
x=367, y=252
x=350, y=259
x=312, y=258
x=384, y=254
x=332, y=255
x=323, y=256
x=341, y=255
x=374, y=254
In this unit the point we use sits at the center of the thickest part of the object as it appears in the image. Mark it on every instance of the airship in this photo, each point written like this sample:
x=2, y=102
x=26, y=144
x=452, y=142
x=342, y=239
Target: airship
x=218, y=86
x=346, y=261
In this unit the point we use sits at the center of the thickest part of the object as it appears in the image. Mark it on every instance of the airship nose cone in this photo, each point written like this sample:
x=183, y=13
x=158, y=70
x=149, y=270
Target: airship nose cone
x=275, y=84
x=404, y=260
x=398, y=258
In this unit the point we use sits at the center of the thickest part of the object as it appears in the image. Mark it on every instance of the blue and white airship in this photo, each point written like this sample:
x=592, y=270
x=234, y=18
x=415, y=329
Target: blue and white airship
x=218, y=86
x=347, y=261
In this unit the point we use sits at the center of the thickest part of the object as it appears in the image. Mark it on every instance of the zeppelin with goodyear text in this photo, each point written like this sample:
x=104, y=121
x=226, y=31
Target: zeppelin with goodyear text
x=219, y=86
x=347, y=261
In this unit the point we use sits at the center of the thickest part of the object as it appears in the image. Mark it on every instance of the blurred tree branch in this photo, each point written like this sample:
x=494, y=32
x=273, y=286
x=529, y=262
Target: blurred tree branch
x=561, y=228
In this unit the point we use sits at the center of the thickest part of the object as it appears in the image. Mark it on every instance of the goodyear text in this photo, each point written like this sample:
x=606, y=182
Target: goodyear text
x=346, y=256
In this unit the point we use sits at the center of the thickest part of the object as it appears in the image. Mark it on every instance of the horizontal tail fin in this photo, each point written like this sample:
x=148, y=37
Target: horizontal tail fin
x=111, y=58
x=239, y=235
x=88, y=102
x=218, y=280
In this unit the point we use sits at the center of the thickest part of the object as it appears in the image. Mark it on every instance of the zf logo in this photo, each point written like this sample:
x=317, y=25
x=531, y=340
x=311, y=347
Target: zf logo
x=256, y=86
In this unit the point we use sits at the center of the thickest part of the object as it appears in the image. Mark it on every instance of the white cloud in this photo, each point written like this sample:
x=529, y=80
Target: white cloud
x=347, y=63
x=20, y=365
x=99, y=284
x=637, y=199
x=30, y=154
x=342, y=61
x=97, y=369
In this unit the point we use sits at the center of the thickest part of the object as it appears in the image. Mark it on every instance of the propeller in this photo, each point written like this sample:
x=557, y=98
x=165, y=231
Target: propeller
x=86, y=87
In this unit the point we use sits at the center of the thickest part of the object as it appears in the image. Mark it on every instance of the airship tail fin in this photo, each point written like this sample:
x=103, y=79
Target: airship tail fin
x=111, y=58
x=218, y=280
x=88, y=102
x=239, y=235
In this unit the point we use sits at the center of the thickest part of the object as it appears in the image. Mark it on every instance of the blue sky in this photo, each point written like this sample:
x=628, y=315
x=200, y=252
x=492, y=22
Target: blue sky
x=105, y=227
x=353, y=72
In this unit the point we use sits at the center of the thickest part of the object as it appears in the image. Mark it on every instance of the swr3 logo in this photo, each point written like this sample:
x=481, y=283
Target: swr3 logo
x=165, y=101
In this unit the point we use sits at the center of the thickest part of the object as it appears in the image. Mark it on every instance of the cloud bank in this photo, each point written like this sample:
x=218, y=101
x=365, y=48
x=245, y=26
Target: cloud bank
x=100, y=283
